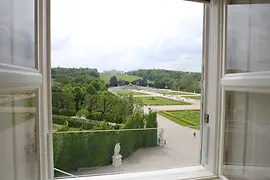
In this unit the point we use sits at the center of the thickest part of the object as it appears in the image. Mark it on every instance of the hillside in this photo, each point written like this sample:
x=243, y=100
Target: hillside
x=157, y=78
x=175, y=80
x=106, y=78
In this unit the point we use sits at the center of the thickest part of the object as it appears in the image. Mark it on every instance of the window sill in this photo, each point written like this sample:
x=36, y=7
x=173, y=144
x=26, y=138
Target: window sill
x=193, y=172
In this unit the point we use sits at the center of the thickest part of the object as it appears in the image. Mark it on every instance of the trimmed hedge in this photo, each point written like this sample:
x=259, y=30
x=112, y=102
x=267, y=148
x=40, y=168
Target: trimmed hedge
x=73, y=122
x=95, y=116
x=63, y=112
x=93, y=149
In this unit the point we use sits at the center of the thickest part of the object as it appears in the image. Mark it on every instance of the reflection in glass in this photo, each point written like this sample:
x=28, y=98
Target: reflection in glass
x=247, y=136
x=17, y=32
x=248, y=38
x=18, y=136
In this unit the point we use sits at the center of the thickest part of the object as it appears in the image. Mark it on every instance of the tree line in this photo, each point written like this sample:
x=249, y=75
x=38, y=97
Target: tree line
x=163, y=79
x=89, y=97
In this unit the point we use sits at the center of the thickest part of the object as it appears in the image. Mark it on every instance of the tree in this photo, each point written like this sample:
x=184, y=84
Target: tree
x=175, y=86
x=78, y=97
x=96, y=84
x=186, y=81
x=102, y=86
x=91, y=93
x=113, y=81
x=105, y=101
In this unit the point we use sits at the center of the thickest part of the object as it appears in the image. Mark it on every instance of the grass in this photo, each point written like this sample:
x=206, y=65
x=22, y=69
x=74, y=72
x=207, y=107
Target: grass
x=193, y=97
x=190, y=118
x=159, y=101
x=58, y=126
x=171, y=92
x=128, y=78
x=127, y=92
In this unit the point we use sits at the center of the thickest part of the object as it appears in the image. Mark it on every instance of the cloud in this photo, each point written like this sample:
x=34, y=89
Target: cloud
x=127, y=34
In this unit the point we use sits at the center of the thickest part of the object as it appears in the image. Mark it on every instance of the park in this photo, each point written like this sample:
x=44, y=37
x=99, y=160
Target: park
x=152, y=128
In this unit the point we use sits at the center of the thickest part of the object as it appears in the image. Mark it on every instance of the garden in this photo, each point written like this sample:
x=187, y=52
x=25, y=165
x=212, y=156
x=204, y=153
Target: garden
x=159, y=101
x=88, y=120
x=189, y=118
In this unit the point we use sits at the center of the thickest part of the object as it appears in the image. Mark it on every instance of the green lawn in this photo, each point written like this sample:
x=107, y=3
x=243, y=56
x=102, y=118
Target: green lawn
x=128, y=78
x=57, y=126
x=190, y=118
x=193, y=97
x=159, y=101
x=127, y=92
x=171, y=92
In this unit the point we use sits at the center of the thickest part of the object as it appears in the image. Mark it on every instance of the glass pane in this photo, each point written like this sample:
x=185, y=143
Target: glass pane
x=248, y=38
x=17, y=32
x=246, y=137
x=18, y=136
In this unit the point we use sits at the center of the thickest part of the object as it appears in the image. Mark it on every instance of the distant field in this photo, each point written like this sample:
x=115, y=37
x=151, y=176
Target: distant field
x=193, y=97
x=190, y=118
x=127, y=92
x=107, y=78
x=171, y=93
x=159, y=101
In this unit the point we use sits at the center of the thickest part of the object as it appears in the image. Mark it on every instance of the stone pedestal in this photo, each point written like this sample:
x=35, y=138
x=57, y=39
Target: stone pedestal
x=116, y=160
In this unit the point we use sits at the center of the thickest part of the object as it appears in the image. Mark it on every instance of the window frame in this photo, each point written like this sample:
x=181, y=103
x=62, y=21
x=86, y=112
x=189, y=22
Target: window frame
x=16, y=78
x=251, y=82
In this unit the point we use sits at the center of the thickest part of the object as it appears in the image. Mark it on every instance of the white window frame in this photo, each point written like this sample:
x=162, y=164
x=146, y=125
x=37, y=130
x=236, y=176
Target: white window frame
x=212, y=48
x=18, y=78
x=253, y=82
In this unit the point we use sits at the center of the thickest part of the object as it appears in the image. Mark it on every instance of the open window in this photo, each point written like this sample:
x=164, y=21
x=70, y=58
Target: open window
x=25, y=71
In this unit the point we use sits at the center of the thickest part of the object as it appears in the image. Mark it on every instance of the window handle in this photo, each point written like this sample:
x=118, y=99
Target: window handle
x=206, y=118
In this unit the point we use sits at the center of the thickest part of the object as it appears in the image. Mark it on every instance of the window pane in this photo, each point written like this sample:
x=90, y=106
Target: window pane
x=17, y=32
x=246, y=138
x=248, y=38
x=18, y=136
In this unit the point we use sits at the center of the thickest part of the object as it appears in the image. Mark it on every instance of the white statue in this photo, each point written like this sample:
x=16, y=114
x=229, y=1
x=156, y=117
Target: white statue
x=117, y=158
x=161, y=140
x=144, y=123
x=117, y=149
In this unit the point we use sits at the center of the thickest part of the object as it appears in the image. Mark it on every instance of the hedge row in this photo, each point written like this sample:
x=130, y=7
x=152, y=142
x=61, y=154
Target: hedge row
x=95, y=116
x=94, y=149
x=181, y=119
x=63, y=112
x=73, y=122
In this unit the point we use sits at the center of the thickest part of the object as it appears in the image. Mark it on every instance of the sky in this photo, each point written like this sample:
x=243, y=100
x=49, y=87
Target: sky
x=127, y=34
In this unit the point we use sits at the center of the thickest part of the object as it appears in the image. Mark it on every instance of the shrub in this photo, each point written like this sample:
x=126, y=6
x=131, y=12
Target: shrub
x=55, y=110
x=66, y=112
x=82, y=112
x=95, y=116
x=73, y=122
x=63, y=112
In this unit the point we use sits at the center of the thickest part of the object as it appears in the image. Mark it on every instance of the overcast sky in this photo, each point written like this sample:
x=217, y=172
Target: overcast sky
x=127, y=34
